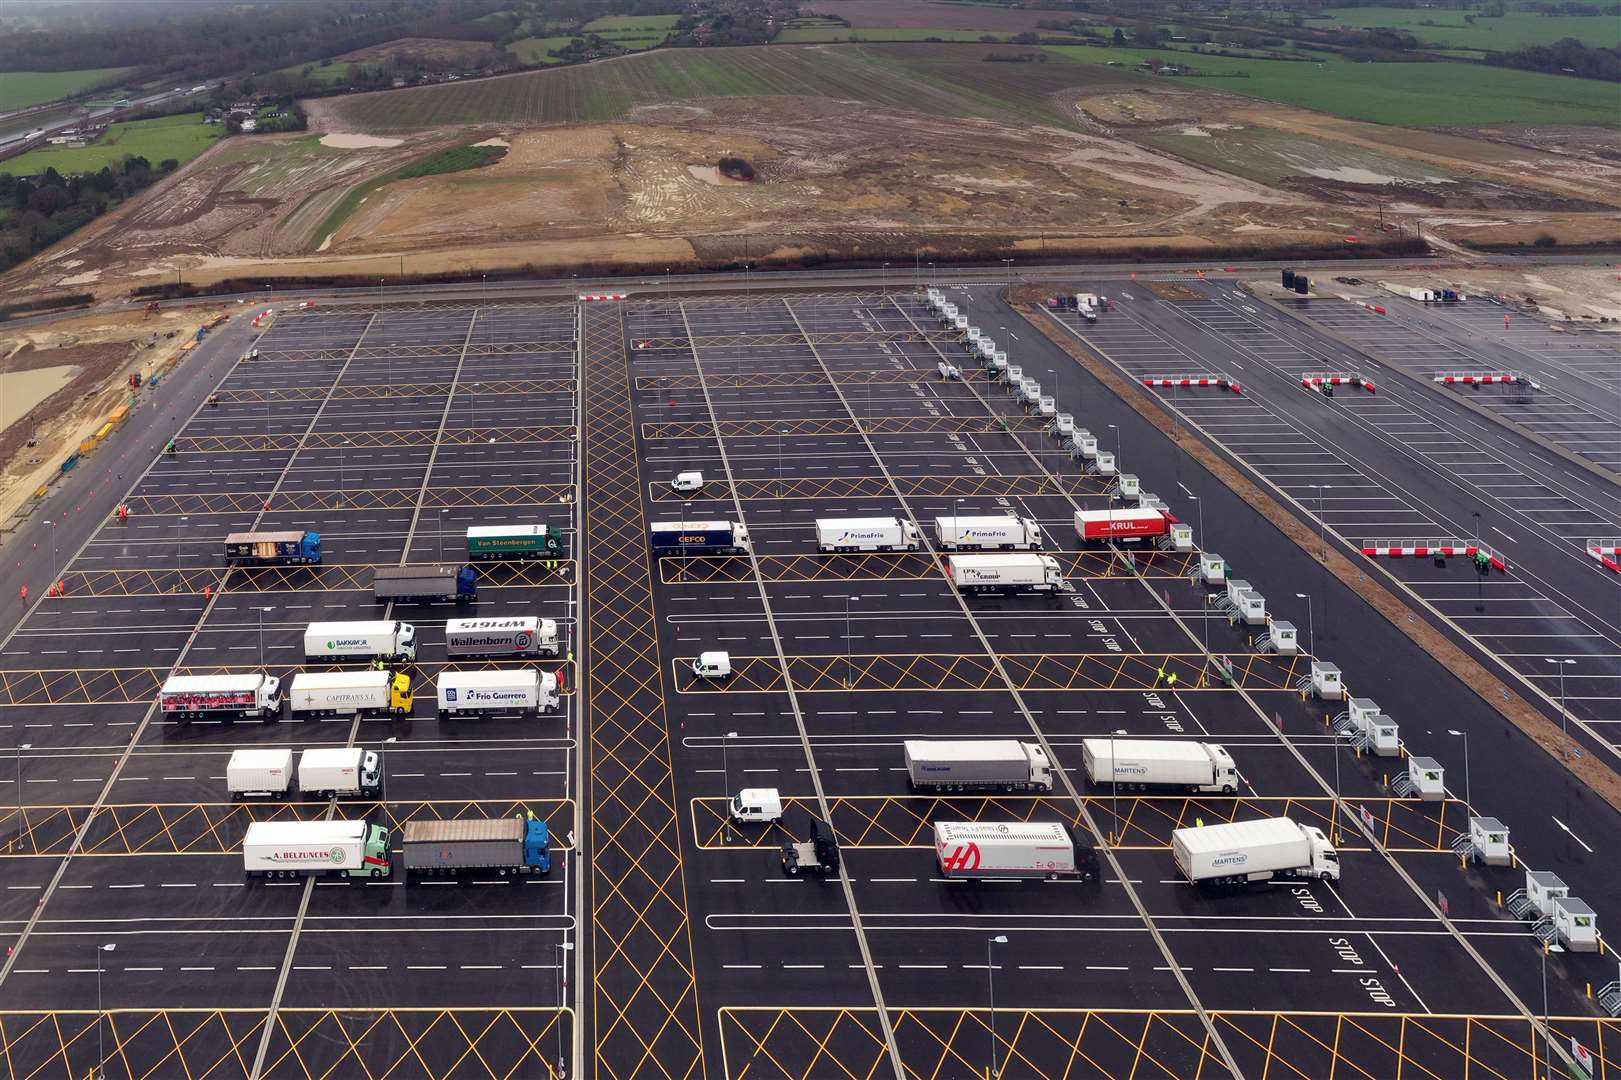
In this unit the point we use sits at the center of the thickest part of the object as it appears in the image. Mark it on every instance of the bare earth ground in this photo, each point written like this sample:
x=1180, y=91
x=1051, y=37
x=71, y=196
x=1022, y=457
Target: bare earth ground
x=923, y=15
x=833, y=177
x=106, y=349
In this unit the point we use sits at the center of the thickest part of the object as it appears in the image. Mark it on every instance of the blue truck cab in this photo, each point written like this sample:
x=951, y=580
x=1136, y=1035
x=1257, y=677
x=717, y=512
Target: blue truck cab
x=537, y=846
x=279, y=548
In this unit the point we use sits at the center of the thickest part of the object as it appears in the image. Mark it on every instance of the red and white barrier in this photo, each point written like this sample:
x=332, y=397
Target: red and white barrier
x=1607, y=552
x=1220, y=381
x=1482, y=378
x=1396, y=549
x=603, y=296
x=259, y=319
x=1377, y=309
x=1317, y=382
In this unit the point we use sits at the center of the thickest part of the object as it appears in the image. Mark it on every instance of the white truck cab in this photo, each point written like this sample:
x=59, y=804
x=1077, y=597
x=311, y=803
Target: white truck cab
x=761, y=805
x=712, y=665
x=687, y=482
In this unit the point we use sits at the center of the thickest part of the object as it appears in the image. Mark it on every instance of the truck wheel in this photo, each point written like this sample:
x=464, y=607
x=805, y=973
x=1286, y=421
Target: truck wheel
x=1229, y=790
x=793, y=871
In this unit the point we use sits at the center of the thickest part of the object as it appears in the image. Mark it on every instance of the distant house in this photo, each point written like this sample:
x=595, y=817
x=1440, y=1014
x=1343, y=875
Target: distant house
x=249, y=123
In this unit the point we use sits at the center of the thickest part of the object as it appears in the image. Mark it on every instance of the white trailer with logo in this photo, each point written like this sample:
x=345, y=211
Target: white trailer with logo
x=226, y=697
x=1241, y=852
x=1000, y=532
x=971, y=850
x=263, y=773
x=977, y=765
x=355, y=849
x=511, y=692
x=342, y=771
x=375, y=639
x=865, y=534
x=516, y=637
x=1180, y=764
x=1015, y=572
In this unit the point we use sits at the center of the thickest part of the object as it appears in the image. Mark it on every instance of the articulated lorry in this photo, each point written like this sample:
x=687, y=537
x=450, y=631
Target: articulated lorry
x=698, y=538
x=505, y=847
x=1010, y=573
x=1243, y=852
x=224, y=697
x=344, y=771
x=1012, y=849
x=999, y=533
x=515, y=542
x=259, y=773
x=1175, y=764
x=524, y=636
x=520, y=692
x=337, y=848
x=426, y=583
x=865, y=534
x=350, y=693
x=977, y=765
x=378, y=639
x=293, y=548
x=1103, y=526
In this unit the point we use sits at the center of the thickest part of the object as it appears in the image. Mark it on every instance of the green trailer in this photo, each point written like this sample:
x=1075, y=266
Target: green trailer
x=515, y=542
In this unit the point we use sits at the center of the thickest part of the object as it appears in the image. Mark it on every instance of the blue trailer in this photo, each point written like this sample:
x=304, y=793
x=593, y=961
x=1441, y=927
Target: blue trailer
x=294, y=548
x=698, y=538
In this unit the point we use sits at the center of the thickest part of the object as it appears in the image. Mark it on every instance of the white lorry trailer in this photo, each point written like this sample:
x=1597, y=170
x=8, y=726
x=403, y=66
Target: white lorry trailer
x=1242, y=852
x=1179, y=764
x=379, y=639
x=259, y=773
x=350, y=693
x=525, y=636
x=1011, y=573
x=1011, y=849
x=354, y=849
x=344, y=771
x=513, y=692
x=865, y=534
x=224, y=697
x=1002, y=532
x=977, y=765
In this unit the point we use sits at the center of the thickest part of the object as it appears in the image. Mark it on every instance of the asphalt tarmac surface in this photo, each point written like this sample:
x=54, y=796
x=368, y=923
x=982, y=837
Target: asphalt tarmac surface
x=673, y=942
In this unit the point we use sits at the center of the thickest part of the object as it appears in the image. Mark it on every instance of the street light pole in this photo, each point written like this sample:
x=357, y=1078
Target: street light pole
x=726, y=771
x=19, y=755
x=1200, y=545
x=101, y=1053
x=1564, y=712
x=990, y=979
x=1465, y=736
x=262, y=612
x=562, y=949
x=1311, y=625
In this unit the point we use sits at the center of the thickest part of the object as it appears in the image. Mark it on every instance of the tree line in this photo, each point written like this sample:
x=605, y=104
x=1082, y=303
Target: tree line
x=37, y=211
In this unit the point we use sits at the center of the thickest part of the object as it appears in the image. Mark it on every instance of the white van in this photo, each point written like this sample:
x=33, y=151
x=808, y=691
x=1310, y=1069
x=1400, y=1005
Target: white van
x=759, y=805
x=712, y=665
x=687, y=482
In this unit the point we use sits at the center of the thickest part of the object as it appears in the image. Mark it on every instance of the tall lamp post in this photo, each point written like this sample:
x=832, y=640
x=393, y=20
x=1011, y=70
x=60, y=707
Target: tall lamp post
x=563, y=948
x=1564, y=713
x=1200, y=544
x=1311, y=625
x=1464, y=735
x=101, y=1053
x=19, y=756
x=990, y=980
x=262, y=612
x=726, y=771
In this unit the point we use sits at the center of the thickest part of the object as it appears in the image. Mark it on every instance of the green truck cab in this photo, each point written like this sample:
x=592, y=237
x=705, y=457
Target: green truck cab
x=515, y=542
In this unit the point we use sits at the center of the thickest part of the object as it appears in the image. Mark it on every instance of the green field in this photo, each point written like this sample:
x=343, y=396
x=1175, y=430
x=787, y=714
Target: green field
x=945, y=80
x=1412, y=95
x=453, y=159
x=662, y=24
x=811, y=34
x=180, y=137
x=23, y=89
x=330, y=73
x=534, y=50
x=1511, y=31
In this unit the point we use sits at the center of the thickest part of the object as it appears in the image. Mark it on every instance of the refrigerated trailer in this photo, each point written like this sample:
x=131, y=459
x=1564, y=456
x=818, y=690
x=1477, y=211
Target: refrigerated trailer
x=290, y=548
x=1010, y=573
x=342, y=771
x=1103, y=526
x=513, y=691
x=226, y=697
x=971, y=850
x=353, y=849
x=1001, y=532
x=259, y=773
x=1242, y=852
x=350, y=693
x=524, y=636
x=514, y=542
x=447, y=582
x=977, y=765
x=865, y=534
x=379, y=639
x=502, y=846
x=1180, y=764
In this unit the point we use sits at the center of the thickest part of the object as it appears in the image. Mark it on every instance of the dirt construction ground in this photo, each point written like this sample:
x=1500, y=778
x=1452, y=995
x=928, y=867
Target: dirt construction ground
x=1145, y=169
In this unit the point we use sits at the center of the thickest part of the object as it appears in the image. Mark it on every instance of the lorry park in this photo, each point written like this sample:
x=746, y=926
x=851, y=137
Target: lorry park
x=417, y=721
